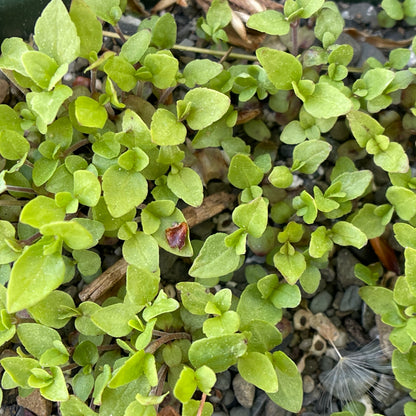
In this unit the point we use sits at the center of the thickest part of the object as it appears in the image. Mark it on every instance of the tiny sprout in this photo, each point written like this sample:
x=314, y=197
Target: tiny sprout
x=356, y=374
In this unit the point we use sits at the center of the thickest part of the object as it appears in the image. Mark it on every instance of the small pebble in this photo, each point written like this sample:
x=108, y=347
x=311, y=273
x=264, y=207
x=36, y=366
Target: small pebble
x=223, y=381
x=321, y=302
x=244, y=391
x=272, y=409
x=345, y=263
x=239, y=411
x=351, y=301
x=227, y=398
x=397, y=408
x=308, y=384
x=258, y=405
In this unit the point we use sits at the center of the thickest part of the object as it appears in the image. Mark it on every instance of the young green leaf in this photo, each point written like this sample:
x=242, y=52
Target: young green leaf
x=56, y=34
x=281, y=67
x=123, y=190
x=257, y=368
x=205, y=107
x=88, y=28
x=215, y=258
x=252, y=217
x=307, y=156
x=186, y=184
x=271, y=22
x=218, y=353
x=165, y=129
x=243, y=172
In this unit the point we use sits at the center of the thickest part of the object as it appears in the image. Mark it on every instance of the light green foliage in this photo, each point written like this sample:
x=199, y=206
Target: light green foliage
x=270, y=22
x=282, y=68
x=56, y=34
x=77, y=165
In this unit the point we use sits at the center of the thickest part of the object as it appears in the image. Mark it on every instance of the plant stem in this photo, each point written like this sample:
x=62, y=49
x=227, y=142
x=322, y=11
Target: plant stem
x=152, y=348
x=74, y=147
x=28, y=163
x=294, y=34
x=13, y=188
x=30, y=240
x=201, y=404
x=93, y=82
x=12, y=202
x=120, y=33
x=161, y=377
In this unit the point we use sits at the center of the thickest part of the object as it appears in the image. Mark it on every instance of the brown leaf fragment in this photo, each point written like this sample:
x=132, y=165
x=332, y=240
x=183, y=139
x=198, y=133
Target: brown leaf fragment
x=385, y=254
x=176, y=235
x=164, y=4
x=377, y=41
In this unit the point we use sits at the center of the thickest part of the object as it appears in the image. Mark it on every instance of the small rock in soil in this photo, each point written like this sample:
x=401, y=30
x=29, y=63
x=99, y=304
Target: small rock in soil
x=239, y=411
x=223, y=381
x=244, y=391
x=36, y=404
x=351, y=300
x=397, y=409
x=272, y=409
x=258, y=405
x=345, y=263
x=228, y=398
x=308, y=384
x=321, y=302
x=370, y=51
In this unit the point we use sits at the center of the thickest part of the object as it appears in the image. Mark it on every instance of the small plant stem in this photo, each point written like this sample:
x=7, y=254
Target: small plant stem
x=28, y=163
x=165, y=95
x=93, y=82
x=201, y=404
x=161, y=377
x=13, y=188
x=294, y=34
x=69, y=367
x=74, y=147
x=120, y=33
x=226, y=55
x=12, y=202
x=30, y=240
x=153, y=347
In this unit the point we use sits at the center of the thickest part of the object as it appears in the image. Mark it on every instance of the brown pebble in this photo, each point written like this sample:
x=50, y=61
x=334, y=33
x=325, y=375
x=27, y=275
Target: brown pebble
x=36, y=404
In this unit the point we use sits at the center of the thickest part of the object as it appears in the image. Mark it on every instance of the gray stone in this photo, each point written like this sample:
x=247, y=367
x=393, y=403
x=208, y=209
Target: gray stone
x=345, y=263
x=321, y=302
x=129, y=24
x=258, y=405
x=227, y=398
x=364, y=13
x=272, y=409
x=397, y=408
x=244, y=391
x=219, y=414
x=239, y=411
x=351, y=300
x=308, y=384
x=223, y=381
x=370, y=51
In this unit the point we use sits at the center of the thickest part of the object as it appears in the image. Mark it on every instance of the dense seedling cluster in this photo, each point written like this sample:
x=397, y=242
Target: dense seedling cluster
x=116, y=162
